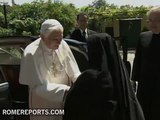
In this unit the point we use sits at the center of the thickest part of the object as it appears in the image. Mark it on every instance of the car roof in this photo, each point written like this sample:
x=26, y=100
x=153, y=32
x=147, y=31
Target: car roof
x=15, y=40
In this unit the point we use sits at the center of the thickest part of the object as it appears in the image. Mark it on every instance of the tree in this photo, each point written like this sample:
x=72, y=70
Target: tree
x=99, y=3
x=29, y=16
x=33, y=14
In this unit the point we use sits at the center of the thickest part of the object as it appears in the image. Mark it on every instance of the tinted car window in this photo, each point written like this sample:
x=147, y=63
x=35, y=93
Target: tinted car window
x=10, y=55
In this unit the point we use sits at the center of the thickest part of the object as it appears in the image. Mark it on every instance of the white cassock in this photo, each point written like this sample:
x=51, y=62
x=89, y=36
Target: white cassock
x=48, y=74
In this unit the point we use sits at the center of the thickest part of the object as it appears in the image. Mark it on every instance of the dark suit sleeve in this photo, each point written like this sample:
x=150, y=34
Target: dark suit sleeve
x=76, y=35
x=136, y=71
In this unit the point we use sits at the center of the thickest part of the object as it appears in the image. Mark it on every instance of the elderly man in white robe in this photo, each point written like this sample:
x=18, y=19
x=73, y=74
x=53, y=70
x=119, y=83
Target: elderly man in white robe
x=48, y=68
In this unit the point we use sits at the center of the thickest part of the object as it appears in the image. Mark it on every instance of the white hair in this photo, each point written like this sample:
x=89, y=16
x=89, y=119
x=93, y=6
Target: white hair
x=153, y=9
x=50, y=25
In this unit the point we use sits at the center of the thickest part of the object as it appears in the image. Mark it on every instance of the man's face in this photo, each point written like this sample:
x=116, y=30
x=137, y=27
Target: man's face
x=53, y=40
x=154, y=21
x=82, y=22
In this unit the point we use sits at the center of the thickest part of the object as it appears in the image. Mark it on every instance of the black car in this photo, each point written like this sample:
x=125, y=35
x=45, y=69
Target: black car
x=12, y=94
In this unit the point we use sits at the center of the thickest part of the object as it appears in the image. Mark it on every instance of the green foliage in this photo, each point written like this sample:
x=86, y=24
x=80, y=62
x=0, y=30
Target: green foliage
x=17, y=26
x=106, y=14
x=98, y=3
x=26, y=19
x=31, y=26
x=1, y=19
x=5, y=32
x=14, y=52
x=27, y=26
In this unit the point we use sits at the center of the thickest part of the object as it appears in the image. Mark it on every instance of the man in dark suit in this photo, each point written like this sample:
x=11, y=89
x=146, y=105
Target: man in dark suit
x=82, y=32
x=146, y=67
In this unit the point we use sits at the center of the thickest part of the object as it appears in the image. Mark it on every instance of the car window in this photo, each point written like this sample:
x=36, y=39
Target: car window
x=10, y=55
x=2, y=80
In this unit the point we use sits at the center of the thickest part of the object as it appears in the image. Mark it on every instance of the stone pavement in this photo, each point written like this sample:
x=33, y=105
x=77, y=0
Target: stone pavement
x=131, y=54
x=130, y=57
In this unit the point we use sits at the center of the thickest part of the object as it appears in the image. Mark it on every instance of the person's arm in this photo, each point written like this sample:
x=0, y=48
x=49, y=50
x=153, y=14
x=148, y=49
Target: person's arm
x=136, y=71
x=52, y=92
x=28, y=71
x=137, y=63
x=72, y=68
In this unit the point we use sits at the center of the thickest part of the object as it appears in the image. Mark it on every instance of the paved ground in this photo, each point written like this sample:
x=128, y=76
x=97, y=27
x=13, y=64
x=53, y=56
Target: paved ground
x=130, y=57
